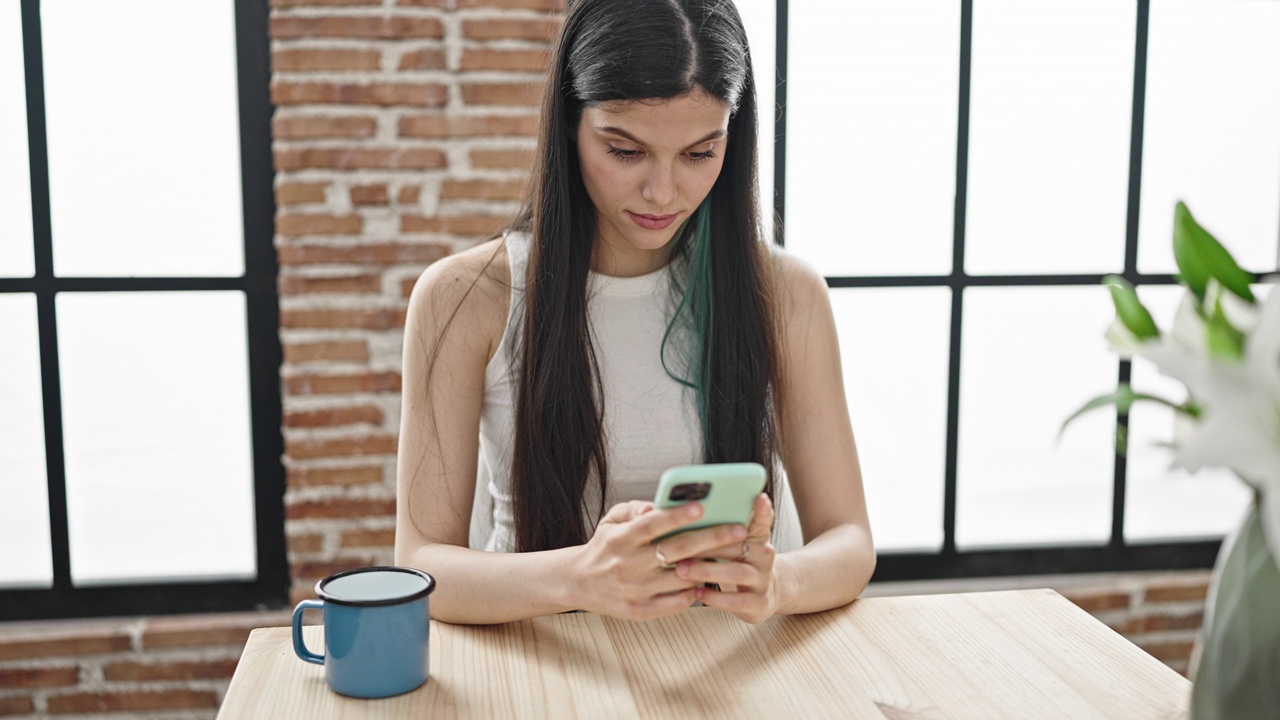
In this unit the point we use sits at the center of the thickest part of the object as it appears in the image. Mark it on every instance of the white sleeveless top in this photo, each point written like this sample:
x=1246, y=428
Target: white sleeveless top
x=650, y=420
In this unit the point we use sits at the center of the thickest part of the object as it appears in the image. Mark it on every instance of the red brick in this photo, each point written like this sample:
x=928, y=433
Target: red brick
x=406, y=286
x=324, y=568
x=338, y=384
x=334, y=417
x=361, y=475
x=1176, y=592
x=335, y=350
x=512, y=60
x=383, y=319
x=341, y=447
x=369, y=539
x=545, y=5
x=423, y=3
x=425, y=59
x=482, y=189
x=323, y=126
x=1167, y=652
x=539, y=29
x=160, y=671
x=60, y=676
x=89, y=642
x=16, y=705
x=300, y=477
x=355, y=26
x=440, y=125
x=365, y=254
x=360, y=158
x=131, y=701
x=308, y=543
x=517, y=94
x=207, y=630
x=1097, y=601
x=473, y=225
x=297, y=224
x=506, y=159
x=383, y=94
x=369, y=194
x=344, y=508
x=300, y=193
x=328, y=60
x=409, y=195
x=301, y=285
x=319, y=3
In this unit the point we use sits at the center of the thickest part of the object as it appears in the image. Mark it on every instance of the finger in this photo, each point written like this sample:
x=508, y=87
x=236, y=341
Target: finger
x=746, y=605
x=626, y=511
x=663, y=605
x=704, y=541
x=724, y=574
x=762, y=517
x=656, y=523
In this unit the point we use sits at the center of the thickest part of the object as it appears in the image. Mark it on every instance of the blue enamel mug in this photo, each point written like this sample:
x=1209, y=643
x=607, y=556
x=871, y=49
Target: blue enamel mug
x=375, y=630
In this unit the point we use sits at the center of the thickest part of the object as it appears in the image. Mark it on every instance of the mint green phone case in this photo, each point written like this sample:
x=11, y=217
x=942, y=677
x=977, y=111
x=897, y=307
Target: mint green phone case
x=731, y=490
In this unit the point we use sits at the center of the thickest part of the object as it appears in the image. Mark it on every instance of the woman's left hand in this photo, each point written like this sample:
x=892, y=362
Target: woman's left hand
x=755, y=599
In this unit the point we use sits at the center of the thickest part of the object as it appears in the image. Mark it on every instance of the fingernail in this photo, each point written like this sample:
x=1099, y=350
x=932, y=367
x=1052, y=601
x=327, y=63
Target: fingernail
x=692, y=510
x=682, y=568
x=739, y=532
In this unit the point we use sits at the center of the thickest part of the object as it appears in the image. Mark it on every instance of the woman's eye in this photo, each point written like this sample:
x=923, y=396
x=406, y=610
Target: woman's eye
x=701, y=156
x=624, y=154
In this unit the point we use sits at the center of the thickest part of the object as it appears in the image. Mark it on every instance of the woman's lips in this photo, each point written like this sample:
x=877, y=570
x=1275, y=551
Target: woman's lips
x=652, y=222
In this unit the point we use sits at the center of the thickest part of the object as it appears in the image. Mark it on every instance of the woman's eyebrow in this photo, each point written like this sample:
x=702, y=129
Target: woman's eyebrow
x=713, y=135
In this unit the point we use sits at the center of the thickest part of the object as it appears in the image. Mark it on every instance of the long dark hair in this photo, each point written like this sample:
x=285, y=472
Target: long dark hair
x=612, y=50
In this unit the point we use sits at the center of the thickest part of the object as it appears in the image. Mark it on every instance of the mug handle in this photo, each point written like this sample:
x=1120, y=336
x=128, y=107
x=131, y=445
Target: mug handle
x=299, y=646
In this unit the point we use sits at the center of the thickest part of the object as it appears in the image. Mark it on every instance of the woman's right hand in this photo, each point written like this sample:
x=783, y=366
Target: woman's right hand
x=618, y=571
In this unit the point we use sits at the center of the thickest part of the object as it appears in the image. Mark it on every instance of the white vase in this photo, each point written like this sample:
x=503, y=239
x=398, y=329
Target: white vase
x=1236, y=671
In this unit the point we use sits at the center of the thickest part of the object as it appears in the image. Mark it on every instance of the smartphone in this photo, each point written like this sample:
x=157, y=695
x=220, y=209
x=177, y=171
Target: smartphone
x=727, y=492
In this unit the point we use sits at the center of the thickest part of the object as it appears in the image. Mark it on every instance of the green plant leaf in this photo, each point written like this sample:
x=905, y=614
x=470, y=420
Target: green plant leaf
x=1130, y=309
x=1200, y=256
x=1123, y=399
x=1220, y=336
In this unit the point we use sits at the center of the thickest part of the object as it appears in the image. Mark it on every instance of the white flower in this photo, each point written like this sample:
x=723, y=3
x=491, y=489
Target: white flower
x=1239, y=425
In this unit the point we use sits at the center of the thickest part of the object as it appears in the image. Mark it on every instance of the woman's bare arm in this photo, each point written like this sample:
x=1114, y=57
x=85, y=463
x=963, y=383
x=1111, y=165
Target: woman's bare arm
x=821, y=460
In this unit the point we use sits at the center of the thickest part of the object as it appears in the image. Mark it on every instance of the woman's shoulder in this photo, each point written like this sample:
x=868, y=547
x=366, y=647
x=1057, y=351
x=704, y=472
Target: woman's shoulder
x=470, y=288
x=799, y=284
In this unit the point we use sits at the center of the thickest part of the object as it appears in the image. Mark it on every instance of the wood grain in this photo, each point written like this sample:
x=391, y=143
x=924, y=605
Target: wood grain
x=1016, y=654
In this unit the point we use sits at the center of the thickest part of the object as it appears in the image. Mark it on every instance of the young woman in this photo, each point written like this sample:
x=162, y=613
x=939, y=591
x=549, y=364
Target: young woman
x=631, y=320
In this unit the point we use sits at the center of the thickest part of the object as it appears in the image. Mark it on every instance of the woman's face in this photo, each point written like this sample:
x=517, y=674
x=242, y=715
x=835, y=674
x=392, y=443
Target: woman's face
x=647, y=165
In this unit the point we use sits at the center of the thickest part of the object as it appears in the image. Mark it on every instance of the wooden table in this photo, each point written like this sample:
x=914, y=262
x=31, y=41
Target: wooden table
x=1019, y=654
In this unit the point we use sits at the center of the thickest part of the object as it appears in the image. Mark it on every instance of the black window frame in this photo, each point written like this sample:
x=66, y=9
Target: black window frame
x=1116, y=555
x=270, y=587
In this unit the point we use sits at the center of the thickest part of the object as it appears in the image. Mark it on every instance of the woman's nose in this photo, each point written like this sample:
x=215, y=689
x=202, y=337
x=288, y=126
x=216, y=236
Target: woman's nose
x=660, y=186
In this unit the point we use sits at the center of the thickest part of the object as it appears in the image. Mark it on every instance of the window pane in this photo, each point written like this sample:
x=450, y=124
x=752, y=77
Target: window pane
x=24, y=494
x=144, y=150
x=1162, y=503
x=1029, y=358
x=1211, y=138
x=155, y=396
x=16, y=255
x=872, y=92
x=760, y=19
x=1049, y=130
x=894, y=351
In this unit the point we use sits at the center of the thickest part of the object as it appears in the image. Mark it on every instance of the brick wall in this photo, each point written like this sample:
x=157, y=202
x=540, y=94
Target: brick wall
x=403, y=132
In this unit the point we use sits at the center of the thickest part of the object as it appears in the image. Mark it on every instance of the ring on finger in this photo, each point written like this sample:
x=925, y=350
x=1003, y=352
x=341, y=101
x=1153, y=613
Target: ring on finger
x=746, y=550
x=663, y=563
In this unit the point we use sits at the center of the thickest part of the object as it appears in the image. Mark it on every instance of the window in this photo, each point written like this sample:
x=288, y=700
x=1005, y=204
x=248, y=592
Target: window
x=965, y=173
x=140, y=423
